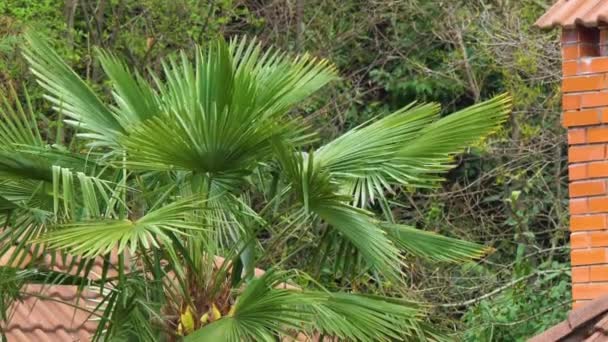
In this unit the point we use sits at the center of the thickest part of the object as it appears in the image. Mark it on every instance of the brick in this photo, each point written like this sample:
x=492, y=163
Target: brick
x=571, y=102
x=579, y=171
x=579, y=206
x=580, y=240
x=585, y=83
x=586, y=153
x=596, y=169
x=598, y=273
x=592, y=65
x=598, y=239
x=570, y=52
x=599, y=64
x=588, y=256
x=587, y=222
x=577, y=136
x=569, y=68
x=594, y=100
x=580, y=274
x=582, y=118
x=597, y=134
x=587, y=188
x=598, y=204
x=604, y=116
x=589, y=290
x=584, y=66
x=569, y=36
x=588, y=50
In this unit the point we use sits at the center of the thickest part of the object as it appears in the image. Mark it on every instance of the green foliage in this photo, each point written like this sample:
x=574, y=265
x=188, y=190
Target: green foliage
x=507, y=193
x=274, y=310
x=171, y=209
x=526, y=309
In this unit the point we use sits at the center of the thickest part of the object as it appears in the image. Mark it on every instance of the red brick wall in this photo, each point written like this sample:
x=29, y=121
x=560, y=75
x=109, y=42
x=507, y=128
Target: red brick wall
x=585, y=105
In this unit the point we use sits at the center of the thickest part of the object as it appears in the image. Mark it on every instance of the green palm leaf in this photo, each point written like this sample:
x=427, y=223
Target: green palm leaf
x=96, y=238
x=433, y=246
x=407, y=147
x=280, y=81
x=264, y=311
x=135, y=98
x=319, y=194
x=367, y=318
x=6, y=205
x=17, y=124
x=221, y=112
x=69, y=93
x=371, y=146
x=359, y=229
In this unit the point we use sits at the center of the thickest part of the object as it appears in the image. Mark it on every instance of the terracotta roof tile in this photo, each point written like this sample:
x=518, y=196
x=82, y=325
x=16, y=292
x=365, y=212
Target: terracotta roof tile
x=53, y=313
x=587, y=312
x=602, y=325
x=596, y=337
x=569, y=13
x=58, y=313
x=598, y=332
x=588, y=323
x=554, y=334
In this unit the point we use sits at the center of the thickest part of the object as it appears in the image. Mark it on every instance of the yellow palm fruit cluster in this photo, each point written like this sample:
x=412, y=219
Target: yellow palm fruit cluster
x=186, y=319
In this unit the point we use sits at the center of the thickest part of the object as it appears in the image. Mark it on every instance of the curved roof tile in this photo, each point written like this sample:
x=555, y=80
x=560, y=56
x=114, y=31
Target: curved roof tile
x=569, y=13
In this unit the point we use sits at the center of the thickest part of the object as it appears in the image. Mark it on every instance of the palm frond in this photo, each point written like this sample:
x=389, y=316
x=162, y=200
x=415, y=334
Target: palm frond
x=6, y=205
x=221, y=112
x=135, y=98
x=18, y=125
x=456, y=131
x=21, y=165
x=281, y=81
x=368, y=318
x=431, y=152
x=265, y=311
x=433, y=246
x=407, y=147
x=11, y=282
x=77, y=196
x=359, y=229
x=100, y=237
x=319, y=194
x=260, y=313
x=372, y=145
x=69, y=93
x=127, y=314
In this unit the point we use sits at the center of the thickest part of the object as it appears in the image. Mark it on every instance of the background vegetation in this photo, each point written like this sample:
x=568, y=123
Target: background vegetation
x=508, y=193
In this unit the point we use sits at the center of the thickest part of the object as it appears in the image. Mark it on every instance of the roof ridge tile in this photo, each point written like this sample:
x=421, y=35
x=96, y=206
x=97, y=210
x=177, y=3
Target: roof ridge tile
x=570, y=13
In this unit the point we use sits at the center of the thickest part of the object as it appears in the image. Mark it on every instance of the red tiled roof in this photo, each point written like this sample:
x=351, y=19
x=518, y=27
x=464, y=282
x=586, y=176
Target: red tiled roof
x=569, y=13
x=588, y=323
x=58, y=313
x=52, y=314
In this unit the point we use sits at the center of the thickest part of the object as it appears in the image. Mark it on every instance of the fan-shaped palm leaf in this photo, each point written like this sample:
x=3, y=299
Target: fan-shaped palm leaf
x=433, y=246
x=221, y=113
x=101, y=237
x=265, y=310
x=136, y=100
x=69, y=93
x=407, y=147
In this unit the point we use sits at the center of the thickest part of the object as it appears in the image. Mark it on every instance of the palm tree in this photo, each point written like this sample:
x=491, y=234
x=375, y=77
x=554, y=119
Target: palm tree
x=186, y=181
